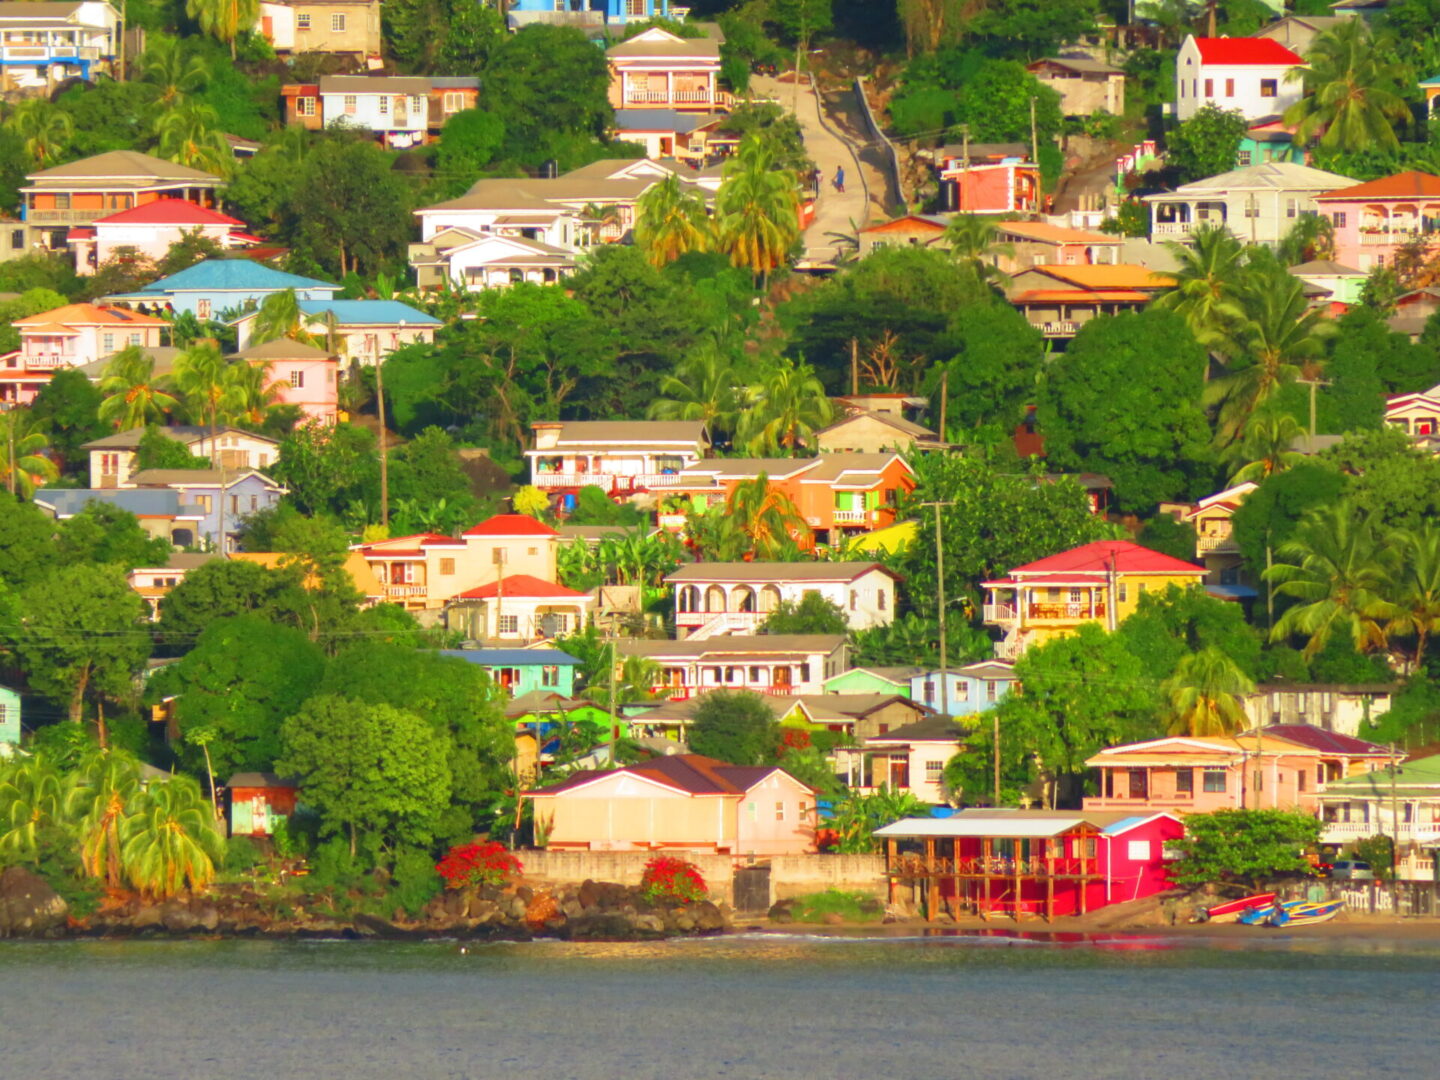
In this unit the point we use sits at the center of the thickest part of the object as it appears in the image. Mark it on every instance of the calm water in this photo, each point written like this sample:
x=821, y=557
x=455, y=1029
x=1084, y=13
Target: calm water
x=748, y=1007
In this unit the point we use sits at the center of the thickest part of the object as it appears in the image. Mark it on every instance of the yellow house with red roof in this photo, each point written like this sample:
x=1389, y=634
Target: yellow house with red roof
x=1100, y=582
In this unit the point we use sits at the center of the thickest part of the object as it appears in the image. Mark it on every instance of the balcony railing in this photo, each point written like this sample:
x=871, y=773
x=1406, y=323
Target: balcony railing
x=404, y=590
x=1064, y=612
x=65, y=217
x=1171, y=228
x=1060, y=329
x=1009, y=648
x=1388, y=236
x=40, y=361
x=45, y=53
x=607, y=480
x=851, y=517
x=678, y=97
x=999, y=613
x=1204, y=545
x=1340, y=832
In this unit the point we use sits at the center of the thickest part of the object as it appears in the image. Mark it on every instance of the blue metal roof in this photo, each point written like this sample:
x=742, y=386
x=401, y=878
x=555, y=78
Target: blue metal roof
x=350, y=312
x=1117, y=827
x=1231, y=592
x=512, y=657
x=220, y=275
x=66, y=502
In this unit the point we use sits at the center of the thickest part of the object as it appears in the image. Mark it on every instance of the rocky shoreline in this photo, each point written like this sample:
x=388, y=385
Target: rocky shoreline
x=589, y=911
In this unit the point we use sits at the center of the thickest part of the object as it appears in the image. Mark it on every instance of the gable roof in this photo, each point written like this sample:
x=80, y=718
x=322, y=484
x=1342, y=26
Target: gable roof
x=510, y=525
x=629, y=432
x=1103, y=556
x=1081, y=64
x=930, y=729
x=88, y=315
x=284, y=349
x=689, y=774
x=169, y=212
x=1266, y=176
x=1232, y=51
x=182, y=478
x=1327, y=742
x=1411, y=184
x=522, y=585
x=1103, y=275
x=188, y=434
x=1325, y=268
x=233, y=274
x=364, y=312
x=657, y=43
x=1017, y=823
x=761, y=572
x=1045, y=233
x=142, y=502
x=509, y=657
x=122, y=165
x=891, y=420
x=415, y=85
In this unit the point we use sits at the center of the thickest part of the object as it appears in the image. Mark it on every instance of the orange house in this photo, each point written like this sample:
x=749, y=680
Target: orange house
x=838, y=495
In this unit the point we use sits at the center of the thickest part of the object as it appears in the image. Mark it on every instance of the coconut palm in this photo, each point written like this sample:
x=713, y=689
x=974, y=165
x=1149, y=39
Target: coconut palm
x=1352, y=93
x=1205, y=695
x=971, y=239
x=670, y=221
x=224, y=19
x=45, y=128
x=31, y=797
x=787, y=407
x=1265, y=448
x=1209, y=268
x=168, y=65
x=23, y=463
x=170, y=842
x=1311, y=237
x=1278, y=338
x=766, y=517
x=702, y=387
x=758, y=207
x=280, y=316
x=1341, y=574
x=1416, y=591
x=200, y=376
x=134, y=394
x=190, y=135
x=109, y=783
x=249, y=392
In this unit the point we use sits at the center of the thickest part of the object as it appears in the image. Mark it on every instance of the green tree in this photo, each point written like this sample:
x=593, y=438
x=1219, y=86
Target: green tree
x=157, y=450
x=1245, y=846
x=369, y=771
x=737, y=726
x=45, y=128
x=1206, y=695
x=200, y=378
x=351, y=206
x=189, y=134
x=27, y=543
x=329, y=468
x=1206, y=144
x=31, y=798
x=1416, y=587
x=67, y=407
x=758, y=209
x=1107, y=407
x=1035, y=28
x=1353, y=97
x=670, y=221
x=1209, y=268
x=469, y=142
x=24, y=465
x=1265, y=448
x=811, y=614
x=971, y=238
x=705, y=386
x=548, y=84
x=171, y=842
x=991, y=359
x=1167, y=627
x=1388, y=477
x=103, y=533
x=223, y=589
x=785, y=410
x=224, y=20
x=104, y=797
x=857, y=816
x=172, y=68
x=134, y=394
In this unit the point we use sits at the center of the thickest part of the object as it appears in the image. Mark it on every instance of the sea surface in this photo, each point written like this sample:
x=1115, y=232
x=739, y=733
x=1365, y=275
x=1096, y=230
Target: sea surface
x=756, y=1006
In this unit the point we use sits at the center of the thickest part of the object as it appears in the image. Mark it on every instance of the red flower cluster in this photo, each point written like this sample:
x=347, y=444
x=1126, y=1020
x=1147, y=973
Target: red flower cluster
x=469, y=865
x=796, y=738
x=673, y=880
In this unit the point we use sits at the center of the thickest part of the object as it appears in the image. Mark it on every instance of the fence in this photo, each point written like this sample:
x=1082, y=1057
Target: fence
x=1407, y=898
x=894, y=188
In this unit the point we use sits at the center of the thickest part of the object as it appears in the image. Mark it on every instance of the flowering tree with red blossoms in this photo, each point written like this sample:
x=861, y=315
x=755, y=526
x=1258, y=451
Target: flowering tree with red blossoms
x=472, y=865
x=671, y=880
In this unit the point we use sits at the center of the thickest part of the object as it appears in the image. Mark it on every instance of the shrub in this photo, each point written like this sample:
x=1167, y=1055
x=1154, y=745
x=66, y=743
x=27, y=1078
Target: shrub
x=471, y=865
x=416, y=881
x=853, y=907
x=241, y=854
x=668, y=879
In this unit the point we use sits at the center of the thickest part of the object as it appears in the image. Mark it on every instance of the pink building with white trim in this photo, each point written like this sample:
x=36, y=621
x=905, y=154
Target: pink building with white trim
x=67, y=337
x=302, y=375
x=1373, y=220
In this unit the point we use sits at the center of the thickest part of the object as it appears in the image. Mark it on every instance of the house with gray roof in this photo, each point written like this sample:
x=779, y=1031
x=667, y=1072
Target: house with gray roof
x=620, y=456
x=225, y=499
x=714, y=598
x=171, y=515
x=112, y=457
x=765, y=663
x=1258, y=204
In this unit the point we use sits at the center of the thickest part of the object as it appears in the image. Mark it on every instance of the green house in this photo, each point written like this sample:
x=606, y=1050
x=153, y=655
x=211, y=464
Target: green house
x=522, y=671
x=9, y=717
x=872, y=680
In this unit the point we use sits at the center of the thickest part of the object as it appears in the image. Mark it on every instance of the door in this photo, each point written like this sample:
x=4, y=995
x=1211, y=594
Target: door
x=259, y=816
x=1139, y=783
x=782, y=679
x=899, y=774
x=751, y=888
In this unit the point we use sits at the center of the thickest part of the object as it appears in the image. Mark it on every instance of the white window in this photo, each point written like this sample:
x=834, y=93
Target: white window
x=1138, y=850
x=417, y=104
x=1291, y=208
x=384, y=100
x=135, y=339
x=337, y=24
x=550, y=675
x=349, y=104
x=305, y=106
x=108, y=342
x=297, y=378
x=779, y=811
x=454, y=101
x=509, y=624
x=934, y=771
x=202, y=309
x=302, y=20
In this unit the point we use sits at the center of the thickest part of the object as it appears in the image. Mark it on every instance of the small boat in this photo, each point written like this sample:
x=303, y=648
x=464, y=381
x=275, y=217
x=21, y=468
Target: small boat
x=1305, y=914
x=1232, y=910
x=1261, y=916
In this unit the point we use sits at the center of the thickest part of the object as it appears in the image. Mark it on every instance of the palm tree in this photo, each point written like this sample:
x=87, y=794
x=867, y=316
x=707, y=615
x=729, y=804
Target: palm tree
x=1340, y=573
x=201, y=379
x=134, y=395
x=224, y=19
x=190, y=135
x=971, y=239
x=702, y=387
x=670, y=221
x=109, y=783
x=30, y=797
x=787, y=407
x=23, y=464
x=178, y=73
x=171, y=842
x=1265, y=448
x=1352, y=93
x=280, y=316
x=766, y=517
x=1416, y=592
x=1205, y=695
x=1277, y=338
x=758, y=207
x=249, y=392
x=1204, y=294
x=46, y=129
x=1311, y=237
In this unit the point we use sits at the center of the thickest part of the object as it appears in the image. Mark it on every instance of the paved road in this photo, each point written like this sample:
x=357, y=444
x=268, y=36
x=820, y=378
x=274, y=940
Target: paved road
x=834, y=211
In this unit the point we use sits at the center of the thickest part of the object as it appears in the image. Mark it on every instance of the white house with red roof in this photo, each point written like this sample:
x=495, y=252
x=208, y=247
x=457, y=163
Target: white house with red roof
x=1418, y=415
x=1248, y=75
x=1100, y=582
x=67, y=337
x=425, y=571
x=518, y=607
x=150, y=229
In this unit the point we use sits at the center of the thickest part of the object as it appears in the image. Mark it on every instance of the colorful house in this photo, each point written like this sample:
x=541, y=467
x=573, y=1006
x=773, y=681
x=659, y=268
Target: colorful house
x=865, y=432
x=1252, y=76
x=964, y=691
x=873, y=680
x=683, y=803
x=9, y=719
x=1374, y=220
x=518, y=607
x=1342, y=708
x=1338, y=283
x=220, y=288
x=1097, y=582
x=68, y=337
x=225, y=498
x=163, y=514
x=1028, y=863
x=339, y=27
x=519, y=671
x=857, y=715
x=255, y=800
x=1214, y=540
x=656, y=69
x=786, y=664
x=1418, y=415
x=362, y=578
x=1009, y=185
x=149, y=231
x=1059, y=300
x=620, y=456
x=1038, y=243
x=43, y=47
x=363, y=331
x=154, y=583
x=909, y=230
x=714, y=598
x=112, y=457
x=302, y=375
x=906, y=760
x=1258, y=204
x=1269, y=139
x=1401, y=801
x=400, y=110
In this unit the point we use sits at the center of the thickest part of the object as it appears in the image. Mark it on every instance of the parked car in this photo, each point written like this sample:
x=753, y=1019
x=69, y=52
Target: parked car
x=1351, y=870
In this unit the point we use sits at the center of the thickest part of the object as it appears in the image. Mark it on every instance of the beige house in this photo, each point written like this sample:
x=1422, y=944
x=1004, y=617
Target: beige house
x=655, y=69
x=621, y=456
x=1337, y=707
x=1214, y=544
x=908, y=759
x=1038, y=243
x=683, y=803
x=1085, y=86
x=112, y=457
x=787, y=664
x=348, y=27
x=876, y=433
x=716, y=598
x=518, y=608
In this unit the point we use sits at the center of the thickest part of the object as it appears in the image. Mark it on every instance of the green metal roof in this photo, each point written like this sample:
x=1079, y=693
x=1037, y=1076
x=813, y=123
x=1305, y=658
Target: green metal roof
x=1415, y=779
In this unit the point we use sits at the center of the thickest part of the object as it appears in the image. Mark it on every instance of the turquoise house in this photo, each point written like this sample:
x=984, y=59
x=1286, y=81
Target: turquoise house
x=969, y=690
x=521, y=671
x=9, y=717
x=215, y=287
x=873, y=680
x=1268, y=140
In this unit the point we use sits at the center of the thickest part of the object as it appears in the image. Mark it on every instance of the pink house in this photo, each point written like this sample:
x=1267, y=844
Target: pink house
x=302, y=374
x=68, y=337
x=150, y=229
x=1028, y=863
x=1375, y=219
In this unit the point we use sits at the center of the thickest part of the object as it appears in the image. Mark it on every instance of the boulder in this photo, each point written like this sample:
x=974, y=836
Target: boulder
x=708, y=918
x=833, y=918
x=375, y=926
x=29, y=907
x=454, y=904
x=207, y=918
x=573, y=909
x=176, y=916
x=649, y=924
x=780, y=912
x=589, y=894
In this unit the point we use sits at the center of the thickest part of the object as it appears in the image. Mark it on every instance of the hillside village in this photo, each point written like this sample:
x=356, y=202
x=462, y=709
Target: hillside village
x=439, y=429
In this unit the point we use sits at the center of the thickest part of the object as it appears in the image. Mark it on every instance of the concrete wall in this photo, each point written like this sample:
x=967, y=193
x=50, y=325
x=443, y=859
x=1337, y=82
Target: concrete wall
x=790, y=875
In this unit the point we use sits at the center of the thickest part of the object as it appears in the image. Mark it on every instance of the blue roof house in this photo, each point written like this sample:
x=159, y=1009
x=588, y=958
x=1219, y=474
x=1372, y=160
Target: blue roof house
x=163, y=513
x=968, y=690
x=245, y=491
x=522, y=670
x=218, y=288
x=365, y=330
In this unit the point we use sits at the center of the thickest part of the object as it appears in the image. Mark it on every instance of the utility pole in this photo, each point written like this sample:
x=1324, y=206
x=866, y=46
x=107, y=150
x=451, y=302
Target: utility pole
x=944, y=399
x=855, y=366
x=1034, y=137
x=10, y=435
x=964, y=164
x=1312, y=384
x=380, y=411
x=940, y=599
x=1394, y=833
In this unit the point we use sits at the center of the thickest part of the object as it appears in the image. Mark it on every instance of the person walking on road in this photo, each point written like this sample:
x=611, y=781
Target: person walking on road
x=816, y=176
x=840, y=179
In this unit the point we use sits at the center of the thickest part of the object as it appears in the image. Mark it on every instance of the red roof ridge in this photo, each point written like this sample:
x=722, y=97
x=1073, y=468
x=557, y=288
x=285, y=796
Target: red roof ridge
x=1227, y=50
x=521, y=585
x=1123, y=556
x=1412, y=183
x=510, y=525
x=169, y=211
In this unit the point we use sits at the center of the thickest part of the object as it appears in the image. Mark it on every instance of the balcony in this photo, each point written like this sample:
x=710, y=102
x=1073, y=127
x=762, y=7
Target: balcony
x=1343, y=832
x=44, y=54
x=852, y=517
x=65, y=217
x=1064, y=612
x=1378, y=236
x=1208, y=545
x=1067, y=328
x=401, y=592
x=1010, y=648
x=997, y=613
x=1171, y=228
x=606, y=480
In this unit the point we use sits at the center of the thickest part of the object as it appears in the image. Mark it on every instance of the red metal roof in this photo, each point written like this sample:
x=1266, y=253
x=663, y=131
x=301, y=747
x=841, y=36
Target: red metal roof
x=1223, y=50
x=169, y=212
x=1406, y=185
x=1327, y=742
x=510, y=525
x=1104, y=555
x=523, y=585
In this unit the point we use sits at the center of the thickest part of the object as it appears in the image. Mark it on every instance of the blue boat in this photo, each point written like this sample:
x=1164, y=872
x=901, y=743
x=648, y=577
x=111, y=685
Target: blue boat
x=1306, y=914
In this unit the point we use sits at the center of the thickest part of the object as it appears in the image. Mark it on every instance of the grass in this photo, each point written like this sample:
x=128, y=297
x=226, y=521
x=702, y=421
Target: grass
x=853, y=907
